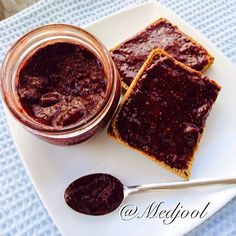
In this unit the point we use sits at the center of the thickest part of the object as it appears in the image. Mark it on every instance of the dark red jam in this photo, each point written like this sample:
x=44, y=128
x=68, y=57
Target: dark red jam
x=96, y=194
x=62, y=84
x=164, y=116
x=130, y=55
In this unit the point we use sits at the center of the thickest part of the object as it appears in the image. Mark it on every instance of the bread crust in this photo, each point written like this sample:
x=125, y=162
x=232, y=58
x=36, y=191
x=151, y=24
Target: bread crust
x=113, y=132
x=210, y=58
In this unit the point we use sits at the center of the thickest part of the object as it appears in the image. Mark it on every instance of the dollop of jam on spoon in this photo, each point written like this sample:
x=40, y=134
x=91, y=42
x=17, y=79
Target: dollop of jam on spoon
x=95, y=194
x=100, y=194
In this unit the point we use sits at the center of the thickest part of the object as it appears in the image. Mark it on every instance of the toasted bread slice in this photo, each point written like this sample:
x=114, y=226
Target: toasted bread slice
x=130, y=55
x=163, y=113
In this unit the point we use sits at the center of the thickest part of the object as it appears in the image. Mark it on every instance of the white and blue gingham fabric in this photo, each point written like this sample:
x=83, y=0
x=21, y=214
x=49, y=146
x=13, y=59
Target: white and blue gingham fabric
x=21, y=211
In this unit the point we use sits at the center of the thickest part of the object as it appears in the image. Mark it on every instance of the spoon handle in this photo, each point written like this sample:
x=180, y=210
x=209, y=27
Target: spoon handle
x=180, y=184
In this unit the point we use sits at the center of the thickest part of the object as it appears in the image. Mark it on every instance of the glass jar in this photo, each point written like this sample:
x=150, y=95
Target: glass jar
x=24, y=48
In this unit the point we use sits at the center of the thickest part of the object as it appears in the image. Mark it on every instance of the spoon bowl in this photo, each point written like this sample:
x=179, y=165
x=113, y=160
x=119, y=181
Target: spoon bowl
x=95, y=194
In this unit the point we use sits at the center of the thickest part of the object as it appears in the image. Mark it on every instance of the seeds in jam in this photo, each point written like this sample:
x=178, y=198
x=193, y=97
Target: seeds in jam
x=62, y=84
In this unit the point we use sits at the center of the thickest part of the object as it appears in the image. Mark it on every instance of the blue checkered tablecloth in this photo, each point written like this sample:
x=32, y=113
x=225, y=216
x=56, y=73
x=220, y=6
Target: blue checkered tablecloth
x=21, y=211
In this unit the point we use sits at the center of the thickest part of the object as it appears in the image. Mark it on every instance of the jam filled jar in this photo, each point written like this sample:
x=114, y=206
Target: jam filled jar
x=60, y=83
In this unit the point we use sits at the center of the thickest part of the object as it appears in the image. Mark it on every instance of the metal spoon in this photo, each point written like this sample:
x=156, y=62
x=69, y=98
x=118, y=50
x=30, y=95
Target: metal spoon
x=100, y=194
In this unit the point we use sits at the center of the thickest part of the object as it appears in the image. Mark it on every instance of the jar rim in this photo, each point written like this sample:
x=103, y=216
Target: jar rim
x=41, y=37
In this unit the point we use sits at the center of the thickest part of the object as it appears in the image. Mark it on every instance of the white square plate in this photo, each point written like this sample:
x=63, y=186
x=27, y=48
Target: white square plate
x=52, y=168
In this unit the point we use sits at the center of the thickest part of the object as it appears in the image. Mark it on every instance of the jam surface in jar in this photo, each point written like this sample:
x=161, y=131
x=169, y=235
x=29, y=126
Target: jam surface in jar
x=62, y=84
